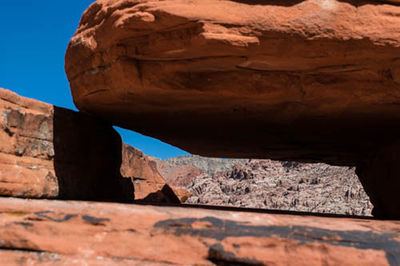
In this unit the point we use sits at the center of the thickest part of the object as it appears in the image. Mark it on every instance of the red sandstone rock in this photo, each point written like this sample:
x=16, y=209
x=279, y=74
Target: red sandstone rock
x=149, y=185
x=142, y=171
x=293, y=80
x=109, y=234
x=50, y=152
x=178, y=175
x=182, y=194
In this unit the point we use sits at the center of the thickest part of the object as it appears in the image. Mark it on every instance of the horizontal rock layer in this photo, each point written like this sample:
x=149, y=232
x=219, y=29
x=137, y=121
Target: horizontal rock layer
x=312, y=80
x=109, y=234
x=51, y=152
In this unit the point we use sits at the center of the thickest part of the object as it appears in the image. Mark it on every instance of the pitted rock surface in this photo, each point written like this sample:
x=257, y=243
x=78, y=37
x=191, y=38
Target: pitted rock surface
x=110, y=234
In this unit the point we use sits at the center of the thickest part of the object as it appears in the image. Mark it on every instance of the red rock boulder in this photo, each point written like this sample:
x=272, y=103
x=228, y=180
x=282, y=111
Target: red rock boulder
x=290, y=80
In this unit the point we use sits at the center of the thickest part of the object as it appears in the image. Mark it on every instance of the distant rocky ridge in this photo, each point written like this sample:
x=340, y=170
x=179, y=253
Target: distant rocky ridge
x=268, y=184
x=205, y=164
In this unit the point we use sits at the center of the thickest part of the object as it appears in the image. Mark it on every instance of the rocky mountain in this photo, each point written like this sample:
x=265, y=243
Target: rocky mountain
x=205, y=164
x=268, y=184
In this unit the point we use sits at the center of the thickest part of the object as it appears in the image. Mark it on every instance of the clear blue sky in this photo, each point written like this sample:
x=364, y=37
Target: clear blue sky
x=34, y=37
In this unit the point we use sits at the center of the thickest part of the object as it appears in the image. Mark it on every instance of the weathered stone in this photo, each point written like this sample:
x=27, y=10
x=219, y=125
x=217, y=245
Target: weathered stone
x=149, y=184
x=142, y=171
x=312, y=80
x=267, y=184
x=108, y=234
x=25, y=257
x=51, y=152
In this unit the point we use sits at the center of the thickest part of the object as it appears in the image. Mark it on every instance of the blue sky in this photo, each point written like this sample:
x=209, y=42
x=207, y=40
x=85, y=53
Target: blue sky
x=34, y=37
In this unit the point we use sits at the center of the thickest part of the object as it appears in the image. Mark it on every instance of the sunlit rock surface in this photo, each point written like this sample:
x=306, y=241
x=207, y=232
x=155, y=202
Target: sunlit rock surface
x=289, y=80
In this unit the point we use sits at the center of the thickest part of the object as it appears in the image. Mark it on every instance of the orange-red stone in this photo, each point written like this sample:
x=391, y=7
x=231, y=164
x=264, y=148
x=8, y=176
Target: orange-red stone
x=51, y=152
x=116, y=234
x=292, y=80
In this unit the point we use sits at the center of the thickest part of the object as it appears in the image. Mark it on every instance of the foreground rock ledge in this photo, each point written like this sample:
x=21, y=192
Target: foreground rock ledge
x=57, y=232
x=313, y=80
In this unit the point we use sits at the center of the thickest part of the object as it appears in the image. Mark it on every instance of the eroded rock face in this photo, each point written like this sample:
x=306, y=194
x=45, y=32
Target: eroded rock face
x=312, y=80
x=149, y=185
x=110, y=234
x=51, y=152
x=267, y=184
x=142, y=171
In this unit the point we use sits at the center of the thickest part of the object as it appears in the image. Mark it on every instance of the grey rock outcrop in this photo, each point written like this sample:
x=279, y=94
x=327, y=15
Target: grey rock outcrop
x=269, y=184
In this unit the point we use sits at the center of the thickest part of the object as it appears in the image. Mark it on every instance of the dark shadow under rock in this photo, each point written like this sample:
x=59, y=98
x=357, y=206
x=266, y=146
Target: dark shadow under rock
x=88, y=156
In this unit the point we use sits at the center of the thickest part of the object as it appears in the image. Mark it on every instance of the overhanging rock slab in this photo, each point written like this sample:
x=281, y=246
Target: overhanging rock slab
x=313, y=80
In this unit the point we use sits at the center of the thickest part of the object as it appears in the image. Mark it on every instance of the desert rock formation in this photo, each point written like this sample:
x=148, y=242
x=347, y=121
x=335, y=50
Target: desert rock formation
x=267, y=184
x=149, y=185
x=51, y=152
x=308, y=81
x=289, y=80
x=118, y=234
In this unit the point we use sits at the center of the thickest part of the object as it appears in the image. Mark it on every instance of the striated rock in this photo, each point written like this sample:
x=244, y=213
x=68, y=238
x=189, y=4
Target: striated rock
x=270, y=184
x=51, y=152
x=266, y=184
x=149, y=185
x=206, y=165
x=107, y=234
x=142, y=171
x=315, y=81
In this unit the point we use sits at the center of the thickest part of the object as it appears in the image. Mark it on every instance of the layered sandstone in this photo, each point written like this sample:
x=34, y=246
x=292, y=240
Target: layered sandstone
x=51, y=152
x=312, y=80
x=118, y=234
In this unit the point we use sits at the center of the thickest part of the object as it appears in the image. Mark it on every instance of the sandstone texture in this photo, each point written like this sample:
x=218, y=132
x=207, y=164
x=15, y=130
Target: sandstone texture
x=312, y=80
x=149, y=185
x=51, y=152
x=61, y=233
x=267, y=184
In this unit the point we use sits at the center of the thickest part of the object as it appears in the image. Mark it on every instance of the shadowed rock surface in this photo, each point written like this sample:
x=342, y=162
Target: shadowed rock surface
x=51, y=152
x=268, y=184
